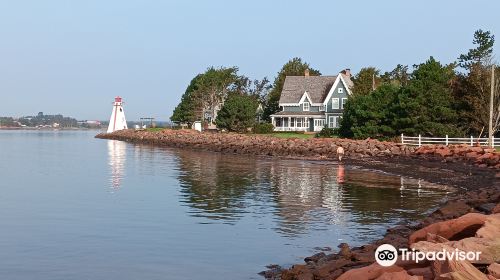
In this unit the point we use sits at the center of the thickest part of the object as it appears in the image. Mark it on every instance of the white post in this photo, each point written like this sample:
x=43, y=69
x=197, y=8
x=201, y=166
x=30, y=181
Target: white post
x=419, y=140
x=402, y=138
x=446, y=139
x=471, y=140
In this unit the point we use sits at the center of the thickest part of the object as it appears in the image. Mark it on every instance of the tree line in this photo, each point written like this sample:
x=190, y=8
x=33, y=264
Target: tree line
x=434, y=99
x=431, y=98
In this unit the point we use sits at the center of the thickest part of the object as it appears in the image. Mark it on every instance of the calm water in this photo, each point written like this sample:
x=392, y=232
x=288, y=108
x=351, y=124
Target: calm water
x=75, y=207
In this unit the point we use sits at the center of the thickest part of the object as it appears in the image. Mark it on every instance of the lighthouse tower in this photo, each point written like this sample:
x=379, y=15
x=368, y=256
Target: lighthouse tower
x=117, y=120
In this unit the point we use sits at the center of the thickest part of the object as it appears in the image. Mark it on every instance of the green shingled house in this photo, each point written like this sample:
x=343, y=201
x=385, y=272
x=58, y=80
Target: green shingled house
x=309, y=103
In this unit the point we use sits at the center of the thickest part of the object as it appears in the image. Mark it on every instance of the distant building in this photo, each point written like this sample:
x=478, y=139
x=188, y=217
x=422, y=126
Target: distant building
x=310, y=103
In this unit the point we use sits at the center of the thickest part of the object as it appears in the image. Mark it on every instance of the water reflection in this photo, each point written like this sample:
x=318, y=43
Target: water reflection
x=302, y=196
x=116, y=161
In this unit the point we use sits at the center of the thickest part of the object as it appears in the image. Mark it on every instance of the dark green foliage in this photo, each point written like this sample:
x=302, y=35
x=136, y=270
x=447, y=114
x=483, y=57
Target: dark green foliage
x=326, y=132
x=294, y=67
x=238, y=113
x=186, y=111
x=373, y=115
x=425, y=106
x=484, y=42
x=263, y=128
x=472, y=87
x=366, y=80
x=428, y=99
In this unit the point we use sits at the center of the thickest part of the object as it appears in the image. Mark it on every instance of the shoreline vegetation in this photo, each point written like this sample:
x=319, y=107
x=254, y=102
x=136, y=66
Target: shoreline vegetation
x=469, y=219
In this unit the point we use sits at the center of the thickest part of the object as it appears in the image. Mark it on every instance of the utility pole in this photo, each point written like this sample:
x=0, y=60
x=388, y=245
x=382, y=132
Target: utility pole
x=490, y=124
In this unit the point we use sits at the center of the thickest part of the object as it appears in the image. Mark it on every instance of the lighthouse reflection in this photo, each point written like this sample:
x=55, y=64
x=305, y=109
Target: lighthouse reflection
x=116, y=163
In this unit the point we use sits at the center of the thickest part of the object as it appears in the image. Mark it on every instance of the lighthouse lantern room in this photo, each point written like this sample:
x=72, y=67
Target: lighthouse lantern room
x=117, y=120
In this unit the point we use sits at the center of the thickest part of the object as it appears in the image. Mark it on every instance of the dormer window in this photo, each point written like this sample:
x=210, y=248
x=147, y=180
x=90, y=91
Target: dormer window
x=305, y=106
x=340, y=90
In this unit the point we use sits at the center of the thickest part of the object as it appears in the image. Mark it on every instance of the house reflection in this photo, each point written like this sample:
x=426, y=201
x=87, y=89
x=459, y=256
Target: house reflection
x=116, y=163
x=301, y=195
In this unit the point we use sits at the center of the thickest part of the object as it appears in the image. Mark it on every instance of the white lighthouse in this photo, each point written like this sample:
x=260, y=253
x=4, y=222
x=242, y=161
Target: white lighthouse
x=117, y=120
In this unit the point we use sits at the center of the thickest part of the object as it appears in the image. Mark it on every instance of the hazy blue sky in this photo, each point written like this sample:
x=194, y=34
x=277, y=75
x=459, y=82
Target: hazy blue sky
x=73, y=57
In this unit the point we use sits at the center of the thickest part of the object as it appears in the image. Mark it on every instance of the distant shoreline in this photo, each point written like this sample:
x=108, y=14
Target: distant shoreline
x=48, y=128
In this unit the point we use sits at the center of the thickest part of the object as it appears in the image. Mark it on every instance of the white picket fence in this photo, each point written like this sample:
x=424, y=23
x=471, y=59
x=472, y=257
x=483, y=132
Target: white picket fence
x=419, y=141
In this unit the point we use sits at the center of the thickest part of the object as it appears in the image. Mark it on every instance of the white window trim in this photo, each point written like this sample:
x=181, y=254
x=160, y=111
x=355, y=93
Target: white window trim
x=342, y=103
x=339, y=79
x=333, y=121
x=338, y=103
x=304, y=106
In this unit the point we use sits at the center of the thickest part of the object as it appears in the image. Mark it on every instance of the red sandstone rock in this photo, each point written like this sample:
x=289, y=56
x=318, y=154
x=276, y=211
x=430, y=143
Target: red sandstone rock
x=497, y=207
x=370, y=272
x=400, y=275
x=456, y=270
x=459, y=228
x=425, y=272
x=444, y=152
x=494, y=270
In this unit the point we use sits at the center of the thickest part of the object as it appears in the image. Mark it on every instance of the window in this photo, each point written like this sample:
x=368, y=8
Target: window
x=333, y=121
x=319, y=122
x=340, y=90
x=335, y=103
x=322, y=108
x=292, y=122
x=344, y=100
x=299, y=122
x=305, y=106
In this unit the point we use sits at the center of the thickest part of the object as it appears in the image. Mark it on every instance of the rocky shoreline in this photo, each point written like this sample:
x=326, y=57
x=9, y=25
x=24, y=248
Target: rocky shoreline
x=474, y=171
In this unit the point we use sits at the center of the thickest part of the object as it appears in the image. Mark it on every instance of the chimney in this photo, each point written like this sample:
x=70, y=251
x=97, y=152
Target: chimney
x=347, y=72
x=306, y=72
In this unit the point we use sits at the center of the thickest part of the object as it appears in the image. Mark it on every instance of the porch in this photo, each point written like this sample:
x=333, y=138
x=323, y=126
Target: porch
x=298, y=123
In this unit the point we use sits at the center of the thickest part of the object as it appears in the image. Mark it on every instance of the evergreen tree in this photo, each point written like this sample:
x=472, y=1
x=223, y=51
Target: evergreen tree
x=238, y=113
x=294, y=67
x=366, y=81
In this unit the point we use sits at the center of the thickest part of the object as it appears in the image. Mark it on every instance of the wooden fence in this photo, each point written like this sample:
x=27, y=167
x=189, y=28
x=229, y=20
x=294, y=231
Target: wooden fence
x=419, y=141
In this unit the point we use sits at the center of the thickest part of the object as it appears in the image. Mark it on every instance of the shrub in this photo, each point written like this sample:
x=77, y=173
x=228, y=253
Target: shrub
x=326, y=132
x=263, y=128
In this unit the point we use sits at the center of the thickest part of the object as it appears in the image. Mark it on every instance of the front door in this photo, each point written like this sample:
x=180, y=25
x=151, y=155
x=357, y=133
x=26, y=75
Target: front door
x=319, y=124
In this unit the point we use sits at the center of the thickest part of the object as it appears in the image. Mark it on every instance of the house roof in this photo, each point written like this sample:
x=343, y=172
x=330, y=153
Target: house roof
x=317, y=88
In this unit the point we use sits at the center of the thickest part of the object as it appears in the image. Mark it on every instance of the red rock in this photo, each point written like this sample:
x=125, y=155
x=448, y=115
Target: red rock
x=425, y=272
x=456, y=270
x=400, y=275
x=464, y=226
x=497, y=207
x=472, y=155
x=494, y=270
x=445, y=152
x=368, y=272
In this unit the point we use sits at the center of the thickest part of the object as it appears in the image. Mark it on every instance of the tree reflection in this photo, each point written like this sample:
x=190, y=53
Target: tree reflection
x=301, y=196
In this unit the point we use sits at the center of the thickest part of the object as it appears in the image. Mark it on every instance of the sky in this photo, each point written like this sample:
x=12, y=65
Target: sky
x=74, y=57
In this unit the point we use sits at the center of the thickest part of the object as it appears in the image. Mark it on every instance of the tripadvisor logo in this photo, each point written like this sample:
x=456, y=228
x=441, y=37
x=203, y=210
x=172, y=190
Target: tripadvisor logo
x=387, y=255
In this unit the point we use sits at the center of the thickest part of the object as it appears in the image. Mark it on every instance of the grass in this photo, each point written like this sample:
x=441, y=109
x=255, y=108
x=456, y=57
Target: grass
x=155, y=129
x=290, y=135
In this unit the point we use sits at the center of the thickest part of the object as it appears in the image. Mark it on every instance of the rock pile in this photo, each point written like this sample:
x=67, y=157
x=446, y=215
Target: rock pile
x=262, y=144
x=469, y=233
x=481, y=156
